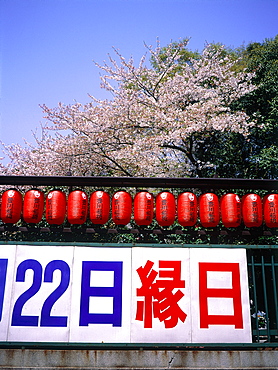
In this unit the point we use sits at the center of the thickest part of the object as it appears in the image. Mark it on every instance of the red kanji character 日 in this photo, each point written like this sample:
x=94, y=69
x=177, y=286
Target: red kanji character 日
x=234, y=292
x=159, y=299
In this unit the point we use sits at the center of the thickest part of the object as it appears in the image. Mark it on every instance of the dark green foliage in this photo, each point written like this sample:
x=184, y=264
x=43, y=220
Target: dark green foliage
x=231, y=154
x=262, y=145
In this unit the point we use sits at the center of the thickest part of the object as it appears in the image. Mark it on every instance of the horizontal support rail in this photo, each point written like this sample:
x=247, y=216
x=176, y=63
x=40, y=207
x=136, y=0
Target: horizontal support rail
x=254, y=247
x=144, y=231
x=140, y=346
x=142, y=182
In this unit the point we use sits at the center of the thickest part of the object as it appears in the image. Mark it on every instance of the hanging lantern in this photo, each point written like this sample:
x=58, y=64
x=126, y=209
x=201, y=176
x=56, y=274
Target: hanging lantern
x=270, y=210
x=56, y=205
x=209, y=210
x=143, y=208
x=33, y=206
x=77, y=207
x=99, y=207
x=230, y=207
x=121, y=208
x=252, y=212
x=187, y=209
x=165, y=208
x=11, y=206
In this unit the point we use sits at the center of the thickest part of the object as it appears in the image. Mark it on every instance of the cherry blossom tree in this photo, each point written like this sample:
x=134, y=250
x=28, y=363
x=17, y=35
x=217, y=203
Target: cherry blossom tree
x=154, y=120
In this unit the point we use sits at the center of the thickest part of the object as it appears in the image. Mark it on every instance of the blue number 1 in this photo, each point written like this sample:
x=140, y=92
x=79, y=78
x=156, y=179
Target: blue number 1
x=3, y=274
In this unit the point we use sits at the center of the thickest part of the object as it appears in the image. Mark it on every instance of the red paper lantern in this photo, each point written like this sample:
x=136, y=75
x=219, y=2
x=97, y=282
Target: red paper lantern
x=33, y=206
x=121, y=208
x=77, y=207
x=143, y=208
x=99, y=207
x=252, y=212
x=209, y=210
x=165, y=208
x=11, y=206
x=230, y=207
x=56, y=206
x=270, y=210
x=187, y=209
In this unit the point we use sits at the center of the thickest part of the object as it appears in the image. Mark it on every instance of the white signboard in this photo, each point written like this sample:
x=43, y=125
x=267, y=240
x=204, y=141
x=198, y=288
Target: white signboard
x=123, y=295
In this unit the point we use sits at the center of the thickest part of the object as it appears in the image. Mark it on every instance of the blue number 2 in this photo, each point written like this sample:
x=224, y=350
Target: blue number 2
x=17, y=318
x=46, y=319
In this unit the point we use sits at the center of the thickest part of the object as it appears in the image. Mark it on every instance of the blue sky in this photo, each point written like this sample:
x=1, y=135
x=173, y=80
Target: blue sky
x=47, y=47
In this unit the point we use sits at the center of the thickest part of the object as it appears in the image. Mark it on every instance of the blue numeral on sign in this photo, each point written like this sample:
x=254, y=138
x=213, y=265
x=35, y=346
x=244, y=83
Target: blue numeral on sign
x=88, y=291
x=46, y=318
x=17, y=318
x=3, y=274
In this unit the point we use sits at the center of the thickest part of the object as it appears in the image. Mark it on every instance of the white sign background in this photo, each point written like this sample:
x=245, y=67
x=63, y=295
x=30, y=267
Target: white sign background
x=89, y=294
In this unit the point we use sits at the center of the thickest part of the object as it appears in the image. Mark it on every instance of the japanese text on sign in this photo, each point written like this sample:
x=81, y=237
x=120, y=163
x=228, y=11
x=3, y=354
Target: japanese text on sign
x=124, y=295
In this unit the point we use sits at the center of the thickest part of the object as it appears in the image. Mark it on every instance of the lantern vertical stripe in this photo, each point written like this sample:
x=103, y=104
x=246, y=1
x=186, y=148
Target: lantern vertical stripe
x=33, y=206
x=11, y=207
x=121, y=208
x=77, y=207
x=143, y=208
x=252, y=212
x=209, y=210
x=187, y=209
x=270, y=210
x=56, y=205
x=165, y=208
x=230, y=209
x=99, y=207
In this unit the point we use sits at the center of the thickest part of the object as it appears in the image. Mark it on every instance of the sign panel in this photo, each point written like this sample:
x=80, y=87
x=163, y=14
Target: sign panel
x=101, y=288
x=219, y=296
x=123, y=295
x=161, y=307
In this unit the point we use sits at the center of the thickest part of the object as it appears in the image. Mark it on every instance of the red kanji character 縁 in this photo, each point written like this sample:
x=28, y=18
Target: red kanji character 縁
x=161, y=296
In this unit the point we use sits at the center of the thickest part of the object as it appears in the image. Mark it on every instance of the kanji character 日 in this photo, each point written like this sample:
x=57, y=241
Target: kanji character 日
x=160, y=296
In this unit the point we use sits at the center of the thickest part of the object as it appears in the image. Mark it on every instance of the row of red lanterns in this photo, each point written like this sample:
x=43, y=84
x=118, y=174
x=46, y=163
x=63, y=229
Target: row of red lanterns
x=251, y=208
